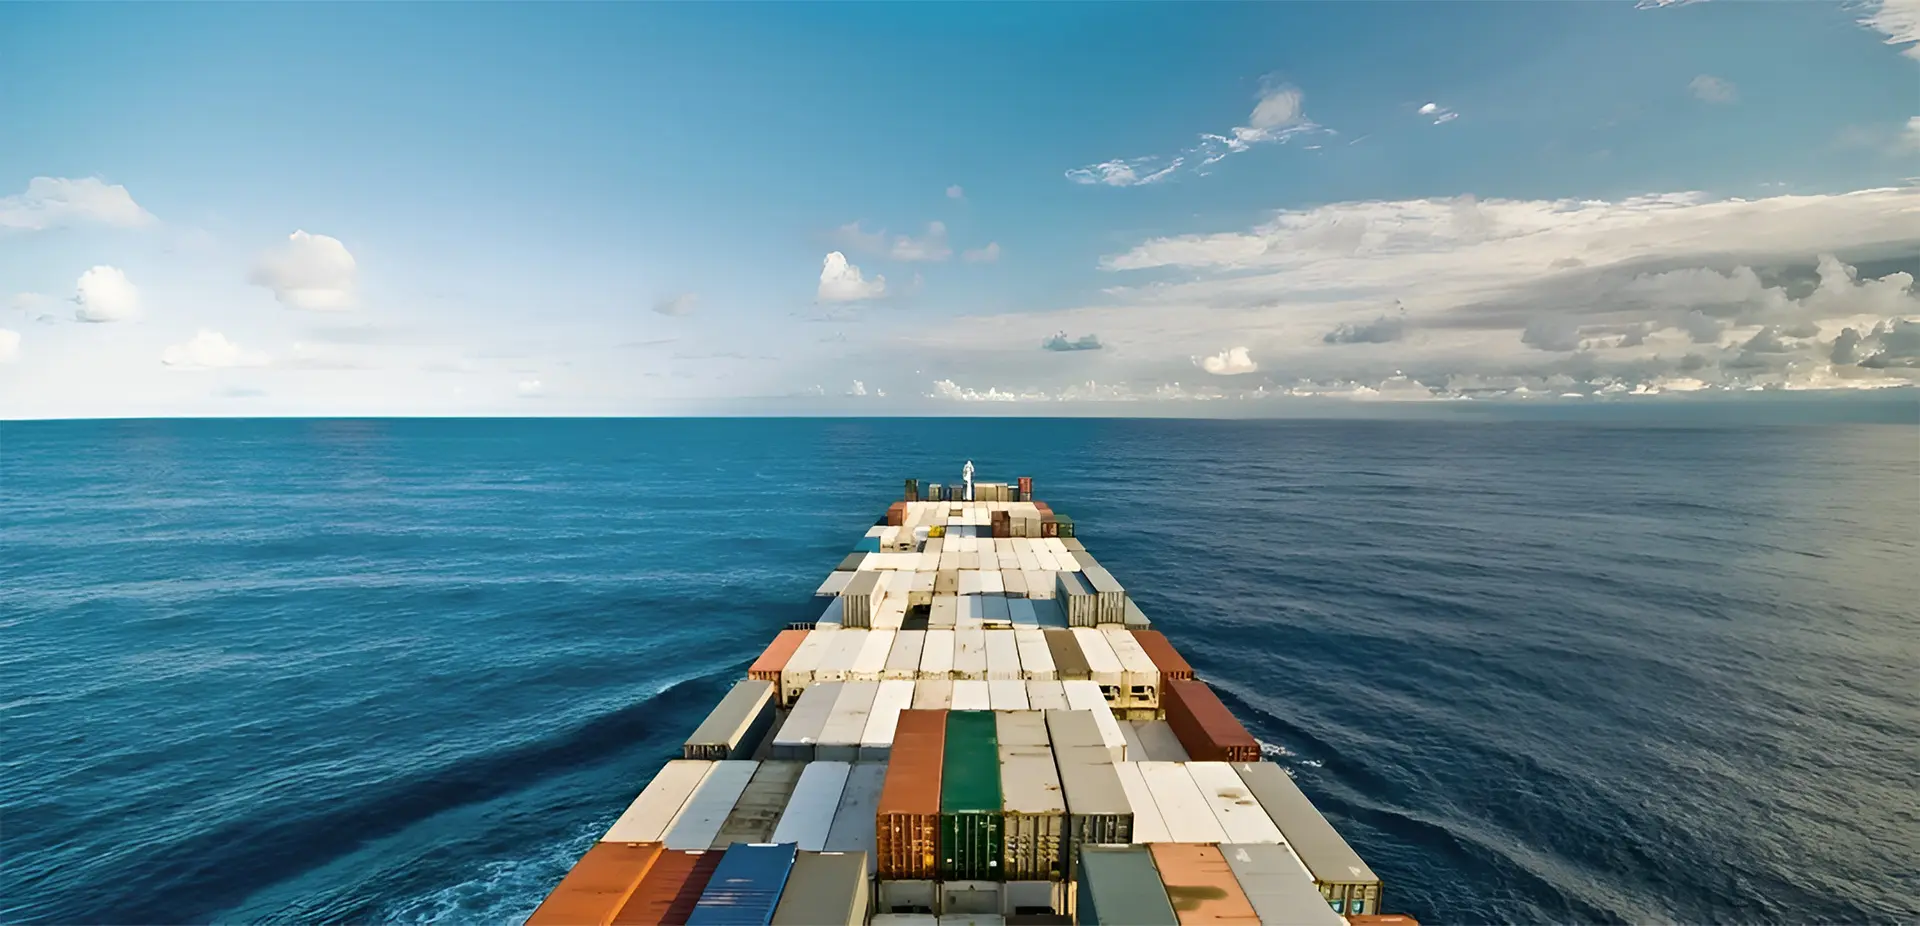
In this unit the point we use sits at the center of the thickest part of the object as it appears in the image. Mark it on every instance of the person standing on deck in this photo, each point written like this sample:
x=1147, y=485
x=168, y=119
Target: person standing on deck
x=966, y=473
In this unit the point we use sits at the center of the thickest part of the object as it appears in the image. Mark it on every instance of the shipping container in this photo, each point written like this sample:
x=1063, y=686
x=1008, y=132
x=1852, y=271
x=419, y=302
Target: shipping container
x=907, y=825
x=670, y=889
x=745, y=886
x=972, y=695
x=1015, y=582
x=972, y=919
x=1007, y=695
x=1032, y=800
x=969, y=898
x=1123, y=882
x=1148, y=825
x=1111, y=606
x=893, y=696
x=1165, y=658
x=970, y=653
x=994, y=611
x=1278, y=886
x=808, y=817
x=1140, y=689
x=707, y=810
x=1069, y=663
x=943, y=614
x=796, y=738
x=1136, y=751
x=1087, y=696
x=1200, y=886
x=798, y=674
x=1021, y=613
x=1346, y=881
x=1049, y=615
x=1157, y=742
x=840, y=736
x=1136, y=618
x=737, y=724
x=830, y=618
x=1072, y=544
x=991, y=582
x=871, y=661
x=967, y=611
x=843, y=647
x=903, y=661
x=1040, y=581
x=1083, y=609
x=758, y=810
x=1183, y=808
x=774, y=658
x=836, y=583
x=1102, y=663
x=858, y=597
x=1206, y=728
x=1097, y=806
x=1003, y=655
x=901, y=896
x=1036, y=661
x=936, y=657
x=1240, y=815
x=933, y=694
x=852, y=563
x=969, y=574
x=1046, y=696
x=649, y=816
x=853, y=819
x=947, y=580
x=600, y=883
x=825, y=889
x=970, y=816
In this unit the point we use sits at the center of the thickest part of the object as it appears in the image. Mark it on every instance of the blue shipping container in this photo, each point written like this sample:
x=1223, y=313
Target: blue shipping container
x=746, y=886
x=868, y=545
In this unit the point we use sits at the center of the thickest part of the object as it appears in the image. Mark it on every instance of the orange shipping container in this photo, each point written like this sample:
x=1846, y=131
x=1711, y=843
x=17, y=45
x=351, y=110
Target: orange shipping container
x=1168, y=660
x=598, y=886
x=767, y=667
x=907, y=827
x=1200, y=886
x=669, y=891
x=1381, y=919
x=897, y=514
x=1205, y=727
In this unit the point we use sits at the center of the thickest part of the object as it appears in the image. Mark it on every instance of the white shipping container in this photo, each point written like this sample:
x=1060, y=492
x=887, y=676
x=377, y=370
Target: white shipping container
x=1020, y=611
x=1040, y=584
x=950, y=558
x=970, y=582
x=830, y=619
x=994, y=610
x=991, y=583
x=869, y=562
x=876, y=530
x=653, y=812
x=871, y=661
x=797, y=675
x=1136, y=750
x=936, y=658
x=843, y=647
x=929, y=560
x=835, y=584
x=943, y=613
x=972, y=695
x=707, y=810
x=1158, y=741
x=903, y=661
x=1007, y=695
x=968, y=611
x=1029, y=561
x=840, y=736
x=1036, y=661
x=1148, y=825
x=1049, y=614
x=1016, y=582
x=1140, y=676
x=891, y=613
x=1238, y=812
x=969, y=653
x=1185, y=810
x=876, y=742
x=1046, y=696
x=853, y=820
x=1045, y=561
x=932, y=694
x=1020, y=545
x=1054, y=544
x=810, y=808
x=1083, y=695
x=1101, y=660
x=1003, y=655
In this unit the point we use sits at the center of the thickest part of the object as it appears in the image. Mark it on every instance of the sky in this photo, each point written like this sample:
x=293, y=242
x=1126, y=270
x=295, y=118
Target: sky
x=443, y=209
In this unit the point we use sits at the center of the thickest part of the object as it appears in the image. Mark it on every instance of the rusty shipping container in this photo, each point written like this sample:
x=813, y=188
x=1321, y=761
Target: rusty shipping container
x=601, y=882
x=907, y=827
x=1205, y=727
x=1069, y=661
x=1172, y=665
x=670, y=889
x=774, y=658
x=1200, y=886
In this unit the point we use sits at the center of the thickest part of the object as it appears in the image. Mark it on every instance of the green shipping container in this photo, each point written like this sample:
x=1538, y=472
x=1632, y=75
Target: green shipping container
x=971, y=824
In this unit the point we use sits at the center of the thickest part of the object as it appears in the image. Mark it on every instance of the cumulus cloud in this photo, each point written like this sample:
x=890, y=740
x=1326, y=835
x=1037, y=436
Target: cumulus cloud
x=1438, y=113
x=530, y=389
x=9, y=345
x=1277, y=117
x=312, y=272
x=104, y=294
x=210, y=350
x=986, y=255
x=1230, y=362
x=54, y=202
x=954, y=192
x=682, y=304
x=932, y=247
x=1710, y=89
x=858, y=388
x=1060, y=342
x=1899, y=21
x=842, y=282
x=1381, y=330
x=1910, y=136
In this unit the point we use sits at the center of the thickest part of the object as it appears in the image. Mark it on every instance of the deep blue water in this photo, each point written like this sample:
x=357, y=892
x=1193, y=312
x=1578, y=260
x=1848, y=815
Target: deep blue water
x=332, y=670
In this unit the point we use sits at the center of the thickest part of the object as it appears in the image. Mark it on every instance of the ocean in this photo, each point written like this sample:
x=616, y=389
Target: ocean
x=407, y=670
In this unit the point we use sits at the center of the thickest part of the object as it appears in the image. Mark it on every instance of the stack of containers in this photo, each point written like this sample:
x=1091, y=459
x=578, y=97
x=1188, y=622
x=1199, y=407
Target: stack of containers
x=892, y=697
x=1036, y=661
x=707, y=810
x=825, y=889
x=1148, y=824
x=970, y=653
x=737, y=724
x=1184, y=810
x=1278, y=887
x=1083, y=608
x=843, y=647
x=1086, y=697
x=797, y=737
x=1119, y=884
x=745, y=886
x=1069, y=663
x=774, y=659
x=1034, y=806
x=936, y=656
x=971, y=818
x=841, y=735
x=670, y=889
x=858, y=597
x=1110, y=599
x=1172, y=666
x=870, y=663
x=1200, y=884
x=1344, y=879
x=1240, y=817
x=1097, y=807
x=907, y=825
x=1003, y=657
x=650, y=814
x=1103, y=664
x=600, y=884
x=1139, y=677
x=853, y=819
x=903, y=661
x=1206, y=728
x=797, y=673
x=809, y=813
x=758, y=809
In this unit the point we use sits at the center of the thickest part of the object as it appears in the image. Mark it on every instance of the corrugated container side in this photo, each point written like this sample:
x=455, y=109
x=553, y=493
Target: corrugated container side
x=1240, y=815
x=707, y=810
x=972, y=695
x=774, y=658
x=1278, y=886
x=650, y=814
x=670, y=889
x=736, y=724
x=903, y=661
x=907, y=826
x=1168, y=660
x=810, y=809
x=1069, y=663
x=825, y=889
x=760, y=806
x=1104, y=665
x=1343, y=877
x=1182, y=807
x=1206, y=728
x=1046, y=696
x=971, y=819
x=1200, y=886
x=853, y=820
x=933, y=694
x=797, y=737
x=745, y=886
x=840, y=736
x=1082, y=607
x=1119, y=884
x=1148, y=825
x=1035, y=811
x=598, y=885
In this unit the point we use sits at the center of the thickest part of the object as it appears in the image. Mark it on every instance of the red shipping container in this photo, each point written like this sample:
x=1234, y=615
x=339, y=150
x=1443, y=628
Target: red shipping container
x=897, y=514
x=907, y=826
x=1200, y=886
x=767, y=667
x=1026, y=487
x=598, y=886
x=1168, y=660
x=669, y=891
x=1204, y=726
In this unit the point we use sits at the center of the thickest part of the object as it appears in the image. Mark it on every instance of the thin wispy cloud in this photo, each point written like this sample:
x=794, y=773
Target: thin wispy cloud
x=1277, y=117
x=55, y=202
x=1438, y=113
x=1710, y=89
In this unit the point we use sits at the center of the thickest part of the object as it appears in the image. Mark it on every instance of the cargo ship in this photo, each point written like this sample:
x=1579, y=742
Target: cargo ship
x=981, y=726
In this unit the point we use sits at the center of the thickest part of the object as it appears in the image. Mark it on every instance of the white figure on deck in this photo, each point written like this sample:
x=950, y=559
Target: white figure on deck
x=966, y=472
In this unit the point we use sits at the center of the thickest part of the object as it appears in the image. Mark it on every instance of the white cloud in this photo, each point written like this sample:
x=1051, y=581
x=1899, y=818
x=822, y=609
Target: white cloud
x=1910, y=138
x=1899, y=21
x=986, y=255
x=1438, y=113
x=1230, y=362
x=313, y=272
x=851, y=237
x=530, y=389
x=210, y=350
x=53, y=202
x=932, y=247
x=682, y=304
x=858, y=388
x=9, y=345
x=103, y=294
x=1710, y=89
x=842, y=282
x=1059, y=342
x=1277, y=117
x=954, y=192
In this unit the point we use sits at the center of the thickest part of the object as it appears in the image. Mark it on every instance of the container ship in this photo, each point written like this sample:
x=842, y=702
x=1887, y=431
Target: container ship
x=981, y=726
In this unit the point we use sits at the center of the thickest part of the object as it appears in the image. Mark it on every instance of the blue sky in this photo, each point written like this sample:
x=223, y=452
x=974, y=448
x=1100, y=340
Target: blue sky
x=498, y=201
